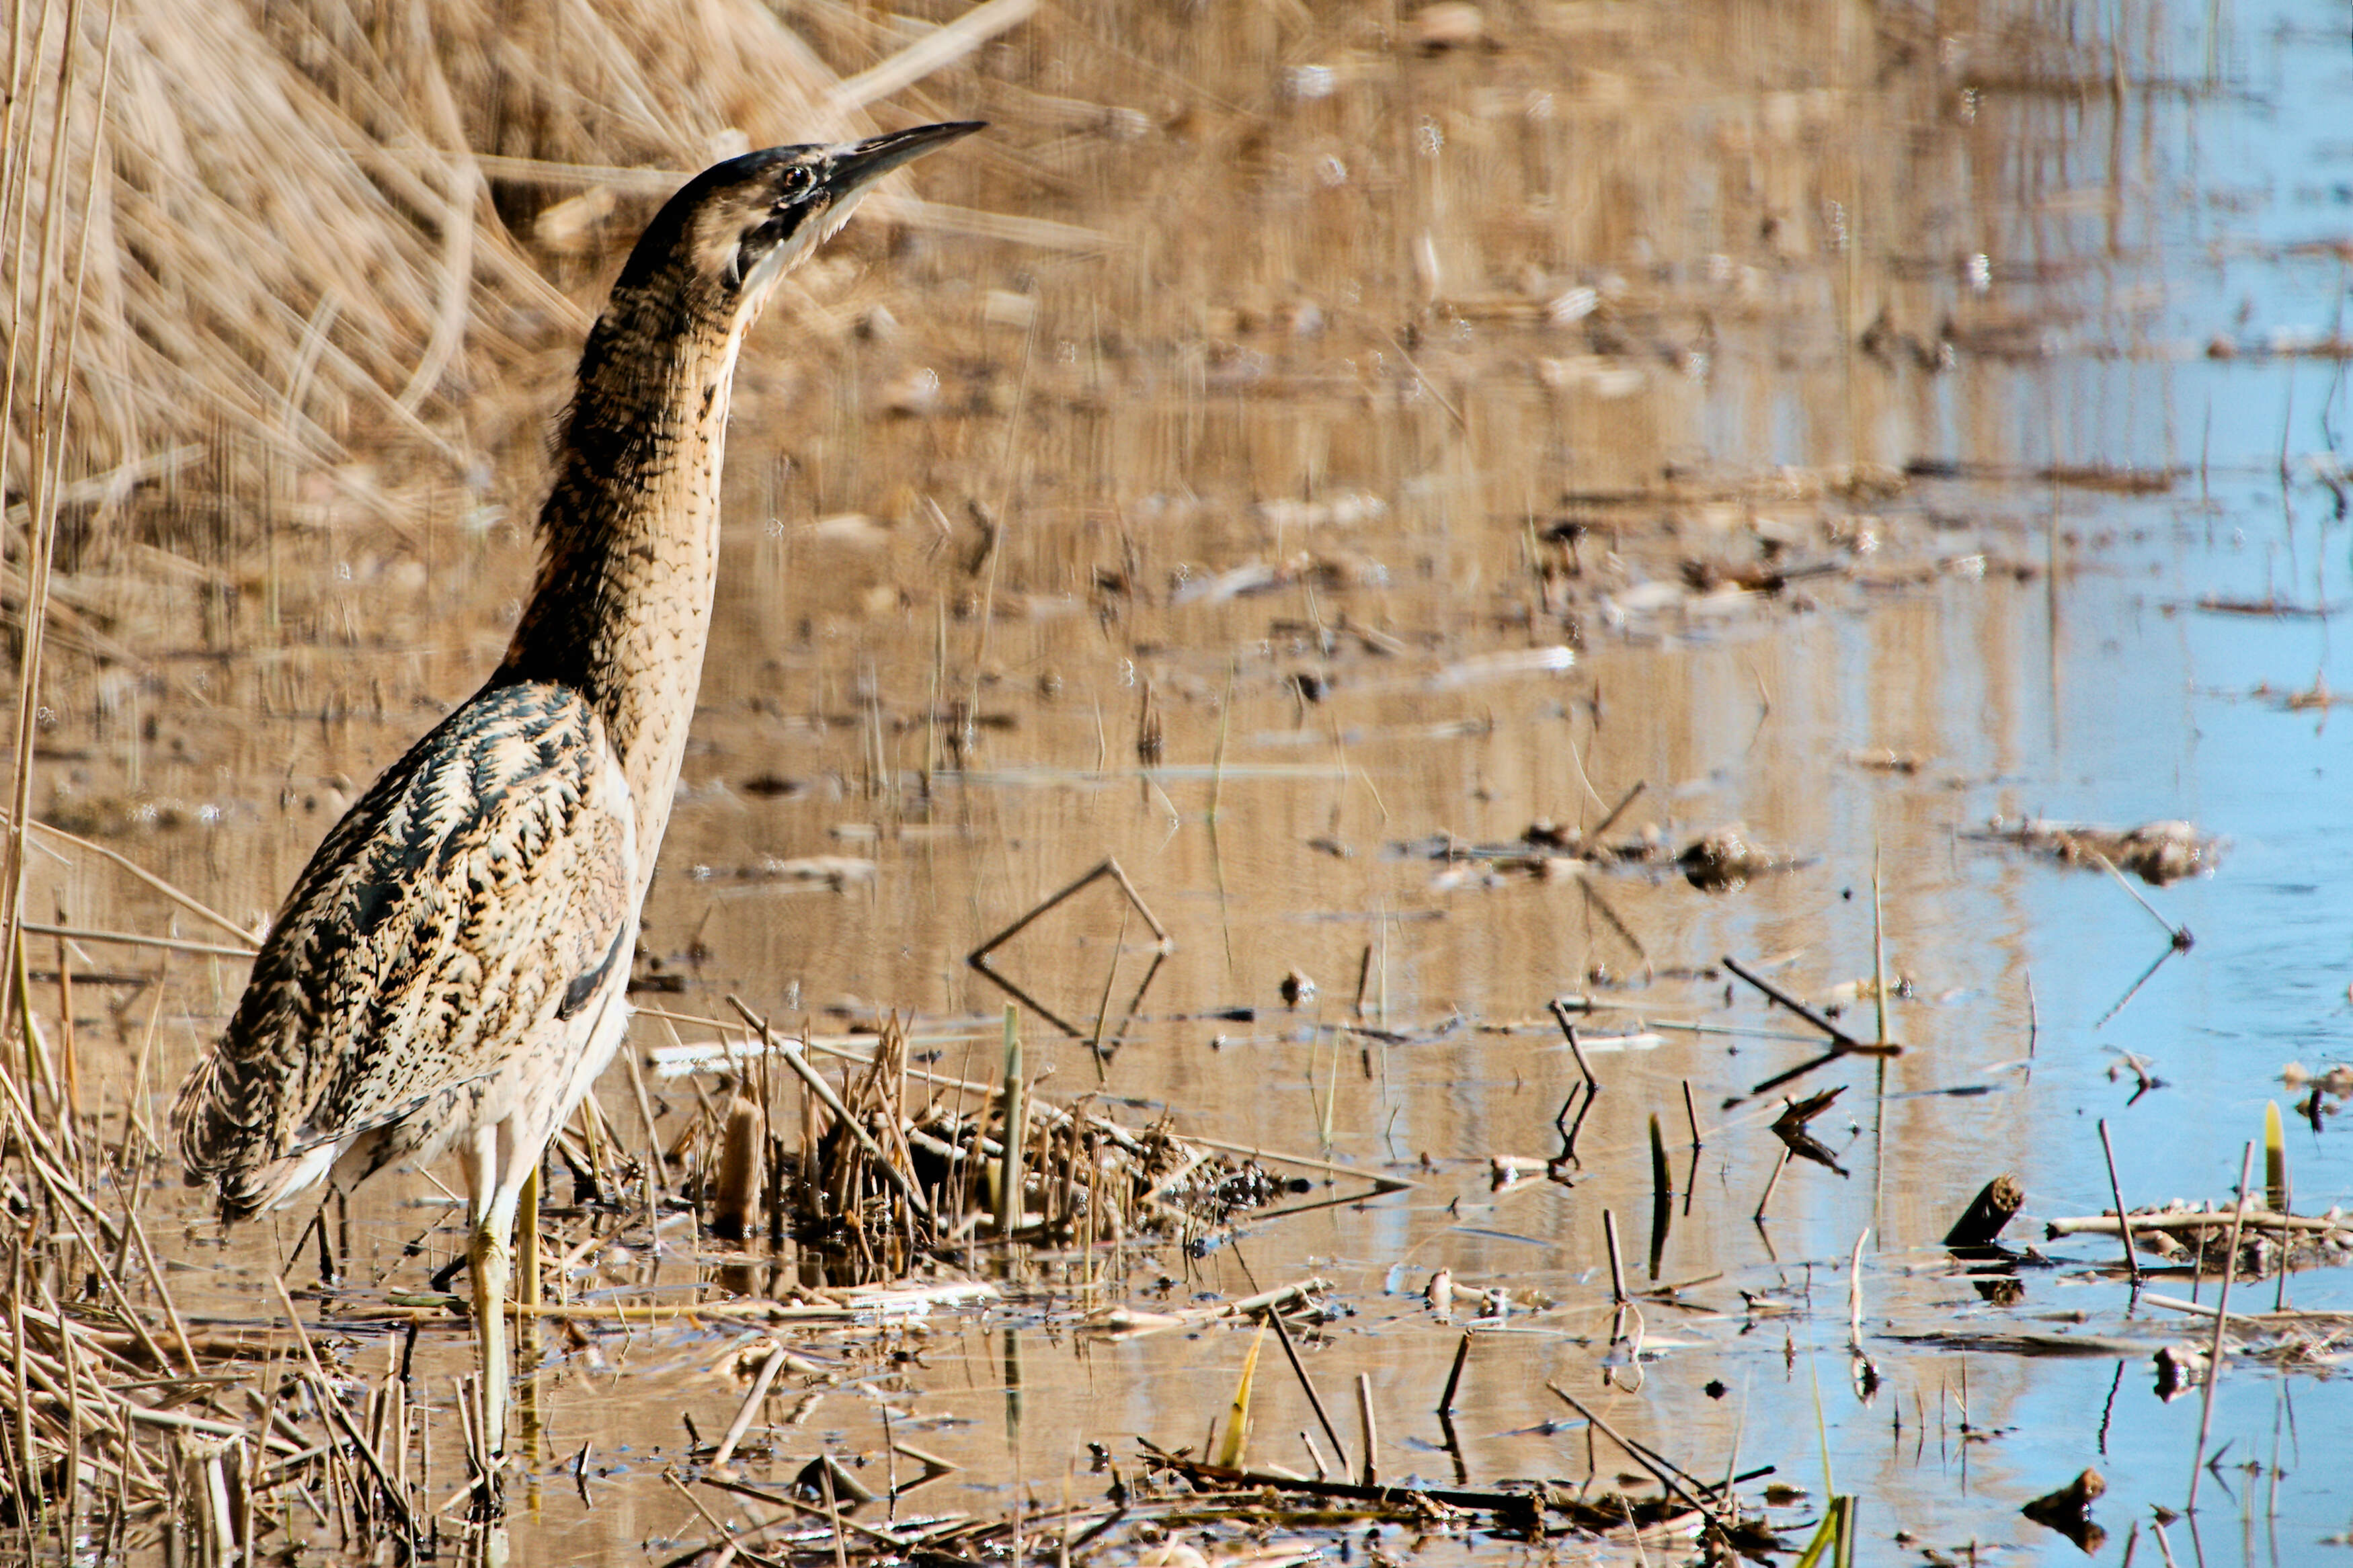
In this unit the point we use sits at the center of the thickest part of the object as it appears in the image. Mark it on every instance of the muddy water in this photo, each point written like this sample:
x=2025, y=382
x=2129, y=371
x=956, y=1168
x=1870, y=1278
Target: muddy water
x=1385, y=448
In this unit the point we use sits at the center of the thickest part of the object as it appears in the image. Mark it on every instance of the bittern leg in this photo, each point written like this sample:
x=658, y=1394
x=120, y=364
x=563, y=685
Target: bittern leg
x=486, y=1254
x=527, y=1298
x=489, y=1255
x=527, y=1245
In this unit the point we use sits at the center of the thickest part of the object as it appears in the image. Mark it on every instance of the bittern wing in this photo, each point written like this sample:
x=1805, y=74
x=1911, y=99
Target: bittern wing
x=477, y=896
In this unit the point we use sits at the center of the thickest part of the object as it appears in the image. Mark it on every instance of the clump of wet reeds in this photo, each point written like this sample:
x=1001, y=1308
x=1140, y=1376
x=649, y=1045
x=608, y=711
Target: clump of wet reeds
x=881, y=1164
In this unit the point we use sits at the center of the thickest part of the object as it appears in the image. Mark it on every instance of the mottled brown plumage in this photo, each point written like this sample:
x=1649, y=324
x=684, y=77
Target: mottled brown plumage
x=450, y=968
x=431, y=963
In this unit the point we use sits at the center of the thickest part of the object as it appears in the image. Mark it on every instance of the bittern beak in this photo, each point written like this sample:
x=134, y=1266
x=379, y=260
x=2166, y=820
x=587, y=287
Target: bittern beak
x=854, y=165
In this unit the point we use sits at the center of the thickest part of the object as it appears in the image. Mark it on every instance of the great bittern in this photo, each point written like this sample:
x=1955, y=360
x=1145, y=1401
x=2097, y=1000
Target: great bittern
x=450, y=969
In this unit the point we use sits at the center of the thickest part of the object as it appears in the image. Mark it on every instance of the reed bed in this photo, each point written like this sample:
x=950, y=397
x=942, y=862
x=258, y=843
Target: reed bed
x=296, y=234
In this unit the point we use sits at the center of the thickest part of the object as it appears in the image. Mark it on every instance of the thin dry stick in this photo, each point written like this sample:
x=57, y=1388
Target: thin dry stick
x=2168, y=926
x=26, y=1474
x=2124, y=1221
x=1315, y=1399
x=1610, y=818
x=2222, y=1322
x=68, y=1045
x=811, y=1511
x=654, y=1165
x=742, y=1422
x=162, y=1291
x=978, y=958
x=2193, y=1220
x=68, y=1198
x=938, y=47
x=48, y=414
x=132, y=938
x=1386, y=1184
x=1617, y=1264
x=1854, y=1294
x=1666, y=1478
x=1561, y=1012
x=1838, y=1036
x=727, y=1532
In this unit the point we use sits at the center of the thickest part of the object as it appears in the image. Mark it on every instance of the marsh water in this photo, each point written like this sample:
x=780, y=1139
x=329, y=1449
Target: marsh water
x=1392, y=424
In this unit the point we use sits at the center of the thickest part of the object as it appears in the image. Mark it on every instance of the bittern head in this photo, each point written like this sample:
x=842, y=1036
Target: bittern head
x=739, y=226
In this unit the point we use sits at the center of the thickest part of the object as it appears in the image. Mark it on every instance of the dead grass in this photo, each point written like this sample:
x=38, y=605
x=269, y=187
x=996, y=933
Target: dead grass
x=295, y=245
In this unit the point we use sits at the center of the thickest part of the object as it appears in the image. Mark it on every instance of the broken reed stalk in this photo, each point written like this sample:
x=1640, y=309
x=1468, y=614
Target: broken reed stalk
x=1770, y=1183
x=2195, y=1220
x=2178, y=934
x=1617, y=1264
x=1016, y=1134
x=2221, y=1323
x=1878, y=948
x=1368, y=1472
x=1661, y=1181
x=1997, y=1203
x=737, y=1208
x=979, y=957
x=2124, y=1220
x=1454, y=1376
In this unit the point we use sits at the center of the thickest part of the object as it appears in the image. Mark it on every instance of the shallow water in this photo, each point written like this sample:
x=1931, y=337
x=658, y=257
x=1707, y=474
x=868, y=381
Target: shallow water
x=1161, y=442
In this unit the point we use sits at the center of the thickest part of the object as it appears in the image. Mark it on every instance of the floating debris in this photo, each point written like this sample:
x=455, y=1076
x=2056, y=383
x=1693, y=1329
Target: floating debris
x=1724, y=861
x=2155, y=852
x=2336, y=1080
x=2179, y=1368
x=2184, y=1232
x=2068, y=1510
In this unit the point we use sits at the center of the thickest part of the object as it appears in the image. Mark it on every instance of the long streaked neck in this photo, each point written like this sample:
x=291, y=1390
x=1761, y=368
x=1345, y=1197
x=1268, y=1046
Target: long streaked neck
x=621, y=609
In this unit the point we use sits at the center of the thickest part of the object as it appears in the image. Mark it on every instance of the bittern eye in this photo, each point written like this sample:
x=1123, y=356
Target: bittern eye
x=794, y=182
